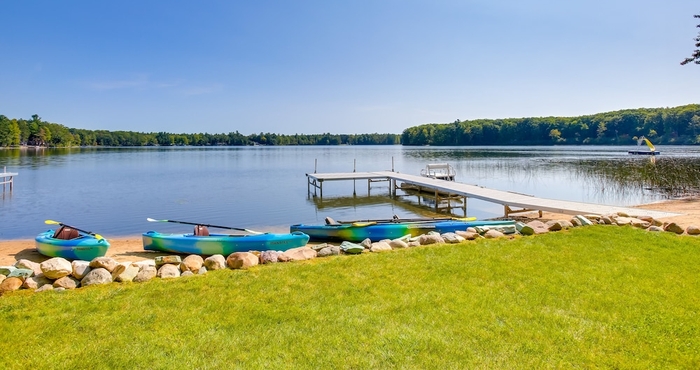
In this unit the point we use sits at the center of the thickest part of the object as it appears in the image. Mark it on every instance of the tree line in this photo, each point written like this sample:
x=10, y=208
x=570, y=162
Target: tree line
x=676, y=126
x=35, y=132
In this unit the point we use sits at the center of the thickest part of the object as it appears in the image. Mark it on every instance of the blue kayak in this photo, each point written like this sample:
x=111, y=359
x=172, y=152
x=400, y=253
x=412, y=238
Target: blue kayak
x=224, y=244
x=376, y=231
x=82, y=247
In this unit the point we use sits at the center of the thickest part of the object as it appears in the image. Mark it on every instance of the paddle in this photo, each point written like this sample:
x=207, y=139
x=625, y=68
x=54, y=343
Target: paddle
x=52, y=222
x=400, y=220
x=207, y=225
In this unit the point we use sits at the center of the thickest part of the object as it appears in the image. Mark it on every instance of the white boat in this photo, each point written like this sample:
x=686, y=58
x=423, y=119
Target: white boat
x=440, y=171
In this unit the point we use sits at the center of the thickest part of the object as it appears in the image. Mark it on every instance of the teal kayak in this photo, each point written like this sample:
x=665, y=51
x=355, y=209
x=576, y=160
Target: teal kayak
x=224, y=244
x=376, y=231
x=84, y=247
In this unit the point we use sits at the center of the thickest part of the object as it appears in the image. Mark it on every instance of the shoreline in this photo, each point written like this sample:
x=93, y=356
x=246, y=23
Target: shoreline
x=130, y=247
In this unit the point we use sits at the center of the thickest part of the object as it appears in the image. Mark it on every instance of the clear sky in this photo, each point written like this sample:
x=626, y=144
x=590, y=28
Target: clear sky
x=355, y=66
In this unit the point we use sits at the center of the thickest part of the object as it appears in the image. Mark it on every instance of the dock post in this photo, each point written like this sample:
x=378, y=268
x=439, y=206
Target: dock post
x=315, y=164
x=354, y=181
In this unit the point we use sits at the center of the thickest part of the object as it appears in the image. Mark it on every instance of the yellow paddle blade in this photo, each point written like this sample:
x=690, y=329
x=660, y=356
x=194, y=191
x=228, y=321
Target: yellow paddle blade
x=362, y=224
x=465, y=219
x=98, y=236
x=52, y=222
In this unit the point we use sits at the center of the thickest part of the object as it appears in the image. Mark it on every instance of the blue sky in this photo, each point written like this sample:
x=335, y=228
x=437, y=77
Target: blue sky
x=338, y=66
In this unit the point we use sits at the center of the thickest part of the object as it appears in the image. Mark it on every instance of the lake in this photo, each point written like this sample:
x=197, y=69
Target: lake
x=112, y=191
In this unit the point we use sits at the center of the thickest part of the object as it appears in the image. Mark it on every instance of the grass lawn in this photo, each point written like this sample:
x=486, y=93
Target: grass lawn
x=599, y=296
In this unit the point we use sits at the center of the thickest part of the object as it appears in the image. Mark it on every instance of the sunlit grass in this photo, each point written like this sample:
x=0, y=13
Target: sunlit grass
x=589, y=297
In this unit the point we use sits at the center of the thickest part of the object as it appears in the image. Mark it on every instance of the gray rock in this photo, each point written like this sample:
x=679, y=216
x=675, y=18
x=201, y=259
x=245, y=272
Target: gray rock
x=36, y=282
x=622, y=221
x=300, y=254
x=380, y=247
x=56, y=268
x=452, y=238
x=398, y=244
x=23, y=274
x=414, y=243
x=367, y=243
x=553, y=225
x=128, y=274
x=80, y=269
x=430, y=239
x=202, y=271
x=215, y=262
x=163, y=260
x=106, y=263
x=67, y=282
x=27, y=264
x=641, y=224
x=269, y=257
x=146, y=273
x=330, y=250
x=192, y=263
x=493, y=234
x=97, y=276
x=187, y=273
x=168, y=270
x=6, y=270
x=674, y=228
x=319, y=247
x=242, y=260
x=655, y=228
x=351, y=248
x=524, y=229
x=692, y=230
x=468, y=235
x=538, y=227
x=44, y=288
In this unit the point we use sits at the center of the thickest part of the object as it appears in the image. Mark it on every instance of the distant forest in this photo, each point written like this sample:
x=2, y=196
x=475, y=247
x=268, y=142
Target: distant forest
x=35, y=132
x=676, y=126
x=679, y=126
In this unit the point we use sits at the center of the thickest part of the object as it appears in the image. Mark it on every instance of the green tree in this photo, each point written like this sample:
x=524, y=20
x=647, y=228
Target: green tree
x=695, y=57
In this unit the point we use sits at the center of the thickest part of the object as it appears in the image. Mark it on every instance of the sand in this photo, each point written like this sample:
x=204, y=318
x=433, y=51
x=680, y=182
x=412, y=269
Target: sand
x=131, y=249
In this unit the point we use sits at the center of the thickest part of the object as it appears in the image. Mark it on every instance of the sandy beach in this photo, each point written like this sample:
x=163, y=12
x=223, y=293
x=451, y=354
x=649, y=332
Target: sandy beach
x=131, y=248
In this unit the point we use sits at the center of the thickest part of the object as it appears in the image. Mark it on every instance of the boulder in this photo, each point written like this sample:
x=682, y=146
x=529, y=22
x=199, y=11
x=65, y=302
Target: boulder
x=168, y=270
x=96, y=276
x=269, y=257
x=352, y=248
x=23, y=274
x=468, y=235
x=187, y=273
x=330, y=250
x=553, y=225
x=192, y=263
x=493, y=234
x=146, y=273
x=56, y=268
x=692, y=230
x=300, y=254
x=524, y=229
x=163, y=260
x=586, y=220
x=2, y=278
x=367, y=243
x=67, y=282
x=318, y=247
x=674, y=228
x=106, y=263
x=36, y=282
x=27, y=264
x=428, y=239
x=641, y=224
x=10, y=284
x=202, y=271
x=398, y=244
x=128, y=274
x=655, y=228
x=80, y=269
x=241, y=260
x=538, y=227
x=6, y=270
x=380, y=247
x=452, y=238
x=215, y=262
x=44, y=288
x=622, y=221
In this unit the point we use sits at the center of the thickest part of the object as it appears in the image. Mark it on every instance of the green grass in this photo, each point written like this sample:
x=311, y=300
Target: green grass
x=594, y=297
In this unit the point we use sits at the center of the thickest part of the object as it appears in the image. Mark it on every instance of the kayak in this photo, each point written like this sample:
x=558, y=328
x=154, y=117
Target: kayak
x=224, y=244
x=376, y=231
x=83, y=247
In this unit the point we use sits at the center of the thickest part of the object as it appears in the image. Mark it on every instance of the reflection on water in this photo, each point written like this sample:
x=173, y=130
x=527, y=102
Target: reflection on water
x=113, y=190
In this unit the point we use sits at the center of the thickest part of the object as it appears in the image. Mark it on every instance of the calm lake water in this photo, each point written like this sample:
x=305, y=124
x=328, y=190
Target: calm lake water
x=112, y=191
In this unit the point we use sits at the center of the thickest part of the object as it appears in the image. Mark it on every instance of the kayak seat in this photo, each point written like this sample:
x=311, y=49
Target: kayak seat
x=66, y=233
x=330, y=221
x=200, y=230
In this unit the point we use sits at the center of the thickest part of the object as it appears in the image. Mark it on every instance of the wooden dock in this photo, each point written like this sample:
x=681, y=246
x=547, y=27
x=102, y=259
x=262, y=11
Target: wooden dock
x=7, y=178
x=512, y=202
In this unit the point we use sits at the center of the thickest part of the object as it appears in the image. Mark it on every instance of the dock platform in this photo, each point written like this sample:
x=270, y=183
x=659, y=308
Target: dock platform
x=512, y=202
x=7, y=178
